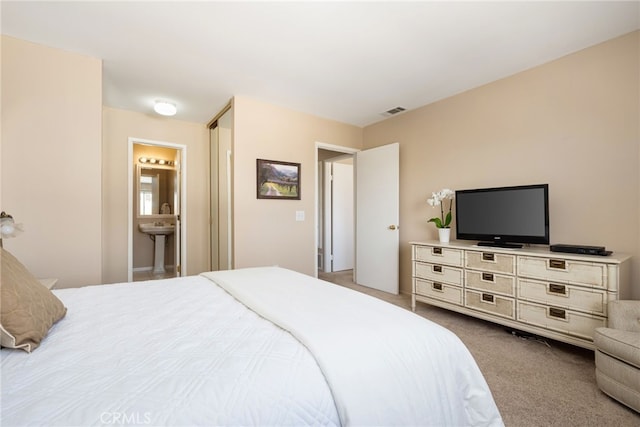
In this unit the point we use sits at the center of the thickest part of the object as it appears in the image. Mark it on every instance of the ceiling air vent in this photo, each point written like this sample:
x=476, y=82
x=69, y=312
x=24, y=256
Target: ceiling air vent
x=393, y=111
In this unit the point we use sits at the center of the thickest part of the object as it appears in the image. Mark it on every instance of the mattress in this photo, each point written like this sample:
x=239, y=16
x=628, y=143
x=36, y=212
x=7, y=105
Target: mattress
x=263, y=346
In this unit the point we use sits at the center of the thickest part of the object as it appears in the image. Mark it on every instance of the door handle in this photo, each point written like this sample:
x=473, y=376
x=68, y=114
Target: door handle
x=393, y=227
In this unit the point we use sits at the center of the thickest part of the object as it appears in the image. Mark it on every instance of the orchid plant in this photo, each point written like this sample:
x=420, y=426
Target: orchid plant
x=437, y=199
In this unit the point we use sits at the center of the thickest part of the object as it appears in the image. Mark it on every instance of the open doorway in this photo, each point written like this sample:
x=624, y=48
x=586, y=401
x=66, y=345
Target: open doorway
x=336, y=248
x=376, y=207
x=335, y=238
x=157, y=205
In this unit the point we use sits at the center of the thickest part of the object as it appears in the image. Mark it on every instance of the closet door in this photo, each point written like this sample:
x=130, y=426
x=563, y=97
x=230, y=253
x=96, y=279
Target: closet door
x=221, y=214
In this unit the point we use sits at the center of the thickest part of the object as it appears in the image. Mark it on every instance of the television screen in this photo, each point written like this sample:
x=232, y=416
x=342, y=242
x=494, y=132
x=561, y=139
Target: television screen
x=504, y=216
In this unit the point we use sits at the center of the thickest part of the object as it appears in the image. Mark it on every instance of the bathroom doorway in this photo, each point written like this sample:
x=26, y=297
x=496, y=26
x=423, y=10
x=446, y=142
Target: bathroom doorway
x=157, y=247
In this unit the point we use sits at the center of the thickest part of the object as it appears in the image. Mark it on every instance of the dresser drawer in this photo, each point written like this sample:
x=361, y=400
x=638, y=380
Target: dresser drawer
x=438, y=290
x=490, y=303
x=564, y=271
x=439, y=255
x=569, y=322
x=438, y=273
x=490, y=261
x=490, y=282
x=593, y=301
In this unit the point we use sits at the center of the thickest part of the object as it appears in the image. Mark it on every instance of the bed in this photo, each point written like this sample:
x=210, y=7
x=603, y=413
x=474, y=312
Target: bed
x=260, y=346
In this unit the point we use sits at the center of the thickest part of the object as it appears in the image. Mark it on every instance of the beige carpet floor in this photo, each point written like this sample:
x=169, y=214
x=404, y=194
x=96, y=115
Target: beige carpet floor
x=534, y=381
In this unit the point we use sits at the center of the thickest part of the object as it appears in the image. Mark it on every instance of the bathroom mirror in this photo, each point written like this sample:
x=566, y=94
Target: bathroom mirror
x=156, y=190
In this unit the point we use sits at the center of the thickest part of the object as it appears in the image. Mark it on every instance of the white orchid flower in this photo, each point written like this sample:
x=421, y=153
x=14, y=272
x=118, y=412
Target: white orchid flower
x=436, y=200
x=446, y=194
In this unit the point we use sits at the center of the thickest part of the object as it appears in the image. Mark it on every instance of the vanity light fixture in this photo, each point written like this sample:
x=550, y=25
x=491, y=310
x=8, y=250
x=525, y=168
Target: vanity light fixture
x=165, y=108
x=154, y=161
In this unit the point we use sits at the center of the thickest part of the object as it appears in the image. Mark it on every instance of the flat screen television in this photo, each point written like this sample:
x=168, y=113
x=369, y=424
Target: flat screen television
x=504, y=216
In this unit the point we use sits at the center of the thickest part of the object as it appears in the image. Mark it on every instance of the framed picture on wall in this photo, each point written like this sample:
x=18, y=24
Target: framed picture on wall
x=277, y=180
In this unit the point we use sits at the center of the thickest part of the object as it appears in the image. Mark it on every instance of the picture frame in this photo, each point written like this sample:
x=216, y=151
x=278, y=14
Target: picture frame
x=277, y=180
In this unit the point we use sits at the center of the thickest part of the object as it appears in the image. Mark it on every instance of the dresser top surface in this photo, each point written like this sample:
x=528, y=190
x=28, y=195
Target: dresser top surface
x=542, y=251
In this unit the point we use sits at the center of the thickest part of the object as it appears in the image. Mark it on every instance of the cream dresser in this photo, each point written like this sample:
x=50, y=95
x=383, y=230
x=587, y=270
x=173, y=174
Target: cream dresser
x=556, y=295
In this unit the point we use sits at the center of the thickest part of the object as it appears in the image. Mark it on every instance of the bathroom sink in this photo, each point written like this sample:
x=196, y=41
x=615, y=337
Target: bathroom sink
x=157, y=228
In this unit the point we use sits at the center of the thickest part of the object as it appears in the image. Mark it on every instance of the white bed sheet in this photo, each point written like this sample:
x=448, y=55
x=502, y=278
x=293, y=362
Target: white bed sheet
x=217, y=363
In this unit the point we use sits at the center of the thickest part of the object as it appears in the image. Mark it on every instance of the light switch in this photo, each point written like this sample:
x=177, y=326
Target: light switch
x=299, y=215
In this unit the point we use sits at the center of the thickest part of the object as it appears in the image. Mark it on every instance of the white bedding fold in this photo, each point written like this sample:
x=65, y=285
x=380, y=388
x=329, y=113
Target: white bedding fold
x=384, y=365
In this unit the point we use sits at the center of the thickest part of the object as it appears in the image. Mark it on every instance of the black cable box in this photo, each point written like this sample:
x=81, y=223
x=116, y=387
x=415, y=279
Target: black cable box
x=579, y=249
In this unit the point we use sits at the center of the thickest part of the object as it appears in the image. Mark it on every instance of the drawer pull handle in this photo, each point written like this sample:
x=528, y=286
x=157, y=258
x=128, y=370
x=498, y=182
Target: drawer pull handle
x=436, y=251
x=556, y=312
x=487, y=297
x=437, y=269
x=558, y=263
x=487, y=277
x=557, y=289
x=437, y=286
x=488, y=257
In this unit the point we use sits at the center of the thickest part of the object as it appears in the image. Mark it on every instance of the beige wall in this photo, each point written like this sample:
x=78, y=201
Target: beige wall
x=118, y=127
x=51, y=168
x=266, y=232
x=572, y=123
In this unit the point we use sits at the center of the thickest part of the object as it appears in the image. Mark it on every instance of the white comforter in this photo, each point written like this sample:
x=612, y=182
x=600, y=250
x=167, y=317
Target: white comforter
x=178, y=352
x=384, y=365
x=185, y=352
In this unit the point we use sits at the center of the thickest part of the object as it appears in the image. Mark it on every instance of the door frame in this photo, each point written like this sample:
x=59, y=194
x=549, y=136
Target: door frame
x=183, y=200
x=338, y=149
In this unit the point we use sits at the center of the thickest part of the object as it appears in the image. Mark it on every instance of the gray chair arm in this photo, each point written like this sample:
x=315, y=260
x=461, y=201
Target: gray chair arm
x=624, y=315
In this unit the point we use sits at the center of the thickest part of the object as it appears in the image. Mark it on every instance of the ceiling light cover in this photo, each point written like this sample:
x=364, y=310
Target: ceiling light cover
x=165, y=108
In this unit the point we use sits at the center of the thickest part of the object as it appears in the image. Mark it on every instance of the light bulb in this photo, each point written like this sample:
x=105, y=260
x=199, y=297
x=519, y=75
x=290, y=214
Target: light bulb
x=7, y=227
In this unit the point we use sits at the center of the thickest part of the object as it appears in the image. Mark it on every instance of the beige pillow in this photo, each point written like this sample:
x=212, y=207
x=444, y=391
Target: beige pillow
x=27, y=309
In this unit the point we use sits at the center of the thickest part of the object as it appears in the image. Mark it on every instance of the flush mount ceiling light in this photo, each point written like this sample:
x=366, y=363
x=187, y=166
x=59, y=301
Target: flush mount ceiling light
x=165, y=108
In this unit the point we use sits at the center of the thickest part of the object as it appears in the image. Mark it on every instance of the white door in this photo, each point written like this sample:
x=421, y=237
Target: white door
x=342, y=217
x=220, y=208
x=377, y=217
x=326, y=217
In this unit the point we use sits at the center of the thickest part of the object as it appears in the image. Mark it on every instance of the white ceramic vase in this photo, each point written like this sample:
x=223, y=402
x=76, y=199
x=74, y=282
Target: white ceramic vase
x=444, y=234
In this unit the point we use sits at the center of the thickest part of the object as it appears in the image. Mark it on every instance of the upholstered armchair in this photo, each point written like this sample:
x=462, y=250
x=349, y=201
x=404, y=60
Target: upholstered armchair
x=618, y=353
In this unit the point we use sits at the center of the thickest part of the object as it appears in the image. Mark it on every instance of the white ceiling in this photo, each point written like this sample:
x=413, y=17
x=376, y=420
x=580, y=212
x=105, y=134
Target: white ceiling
x=344, y=61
